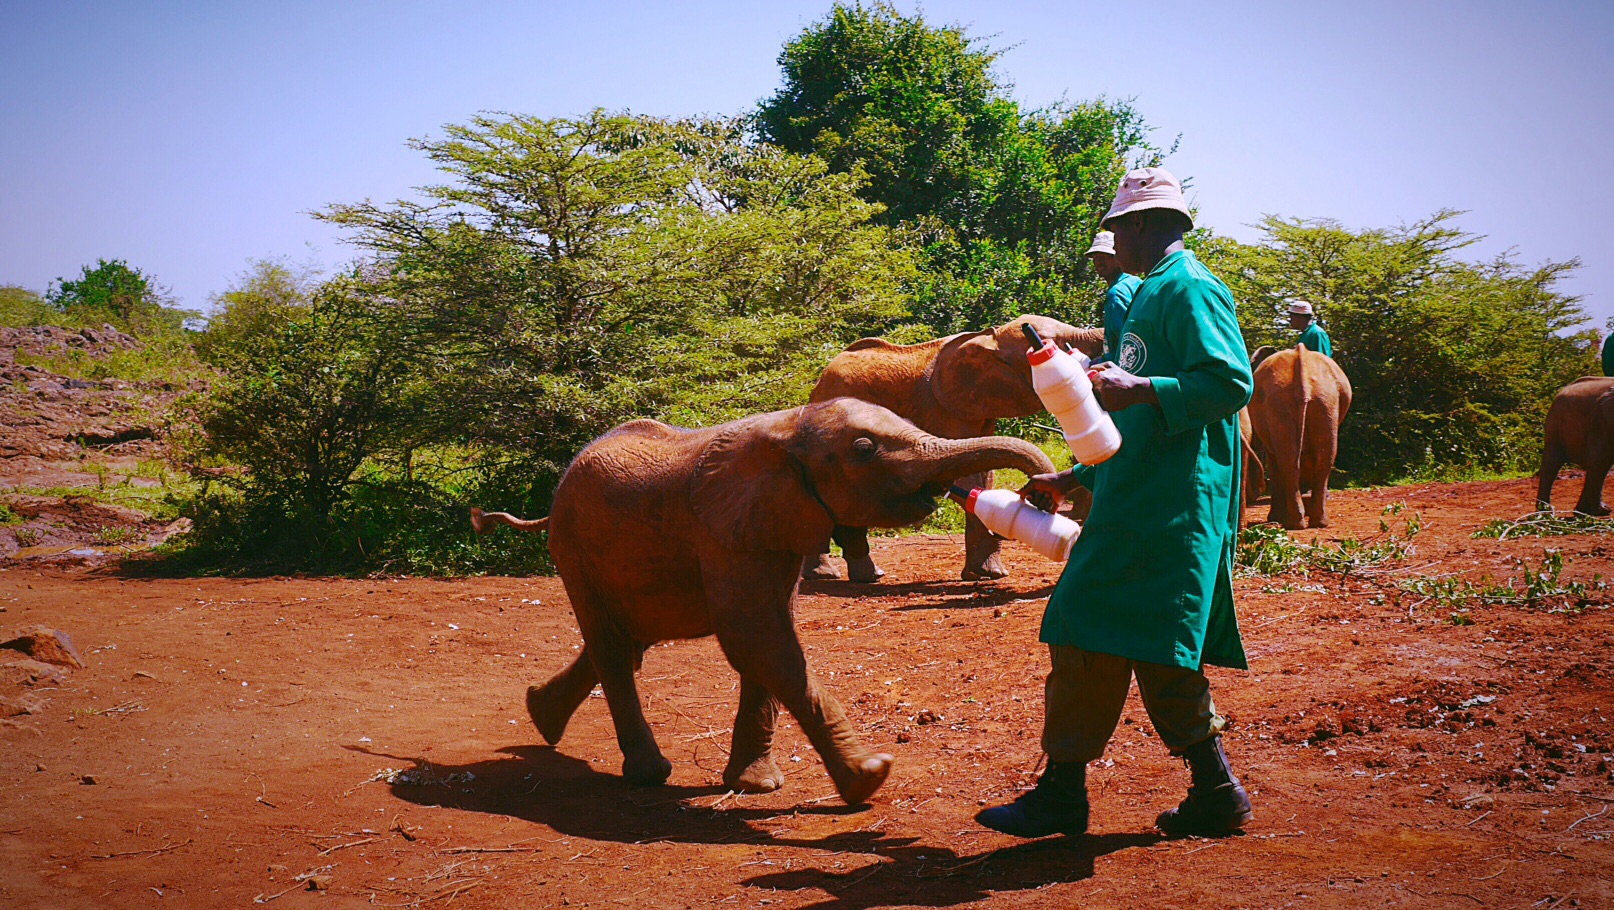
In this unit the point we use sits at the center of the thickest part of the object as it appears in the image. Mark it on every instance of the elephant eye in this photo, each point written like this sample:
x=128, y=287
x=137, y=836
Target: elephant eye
x=863, y=448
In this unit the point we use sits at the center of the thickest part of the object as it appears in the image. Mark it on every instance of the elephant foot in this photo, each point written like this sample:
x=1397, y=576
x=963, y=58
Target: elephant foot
x=646, y=771
x=1597, y=511
x=1319, y=522
x=862, y=569
x=760, y=776
x=820, y=567
x=991, y=567
x=550, y=710
x=857, y=785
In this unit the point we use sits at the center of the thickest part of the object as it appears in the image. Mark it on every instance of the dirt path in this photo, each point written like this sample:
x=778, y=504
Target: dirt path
x=237, y=730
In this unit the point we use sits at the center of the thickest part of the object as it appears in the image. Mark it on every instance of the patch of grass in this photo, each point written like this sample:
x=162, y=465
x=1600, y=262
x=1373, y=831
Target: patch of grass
x=27, y=537
x=1538, y=587
x=1269, y=550
x=8, y=517
x=112, y=535
x=1545, y=524
x=161, y=358
x=161, y=504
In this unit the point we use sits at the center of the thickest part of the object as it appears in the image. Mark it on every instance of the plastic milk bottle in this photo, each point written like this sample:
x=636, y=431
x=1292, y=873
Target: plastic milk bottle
x=1007, y=515
x=1060, y=380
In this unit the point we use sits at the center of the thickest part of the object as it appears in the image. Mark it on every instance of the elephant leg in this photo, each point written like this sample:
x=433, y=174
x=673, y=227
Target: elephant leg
x=552, y=704
x=981, y=557
x=1319, y=464
x=616, y=657
x=1552, y=461
x=750, y=597
x=1284, y=477
x=860, y=565
x=751, y=767
x=1599, y=457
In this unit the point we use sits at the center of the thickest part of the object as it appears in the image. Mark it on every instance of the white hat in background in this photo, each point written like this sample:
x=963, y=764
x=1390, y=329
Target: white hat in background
x=1148, y=188
x=1300, y=307
x=1103, y=242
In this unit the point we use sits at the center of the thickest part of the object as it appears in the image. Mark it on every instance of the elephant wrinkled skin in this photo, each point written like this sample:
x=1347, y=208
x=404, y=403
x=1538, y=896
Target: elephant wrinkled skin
x=955, y=387
x=1299, y=400
x=1580, y=430
x=662, y=533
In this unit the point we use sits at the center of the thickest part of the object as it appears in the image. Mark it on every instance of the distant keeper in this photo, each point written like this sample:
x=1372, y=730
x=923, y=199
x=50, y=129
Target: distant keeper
x=1117, y=297
x=1148, y=589
x=1304, y=320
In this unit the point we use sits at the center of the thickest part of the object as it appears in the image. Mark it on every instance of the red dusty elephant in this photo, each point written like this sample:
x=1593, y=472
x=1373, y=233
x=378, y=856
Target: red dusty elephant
x=1299, y=400
x=663, y=533
x=954, y=387
x=1580, y=430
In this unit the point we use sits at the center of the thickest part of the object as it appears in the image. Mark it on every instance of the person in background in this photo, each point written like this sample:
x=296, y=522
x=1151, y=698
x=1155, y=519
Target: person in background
x=1304, y=321
x=1608, y=355
x=1148, y=588
x=1118, y=297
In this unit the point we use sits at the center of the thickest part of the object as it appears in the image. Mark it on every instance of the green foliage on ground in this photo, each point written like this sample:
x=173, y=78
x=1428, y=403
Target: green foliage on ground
x=1002, y=202
x=1452, y=363
x=1269, y=550
x=1545, y=524
x=1539, y=587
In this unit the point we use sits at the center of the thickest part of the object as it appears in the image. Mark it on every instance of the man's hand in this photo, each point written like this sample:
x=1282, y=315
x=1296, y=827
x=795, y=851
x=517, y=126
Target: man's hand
x=1117, y=389
x=1047, y=491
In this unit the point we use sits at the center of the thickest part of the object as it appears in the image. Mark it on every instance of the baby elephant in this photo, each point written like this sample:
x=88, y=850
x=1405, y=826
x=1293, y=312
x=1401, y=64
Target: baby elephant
x=662, y=533
x=1580, y=429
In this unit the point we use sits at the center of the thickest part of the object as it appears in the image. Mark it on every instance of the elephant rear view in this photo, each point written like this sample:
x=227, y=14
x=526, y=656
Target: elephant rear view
x=662, y=533
x=955, y=387
x=1299, y=400
x=1580, y=430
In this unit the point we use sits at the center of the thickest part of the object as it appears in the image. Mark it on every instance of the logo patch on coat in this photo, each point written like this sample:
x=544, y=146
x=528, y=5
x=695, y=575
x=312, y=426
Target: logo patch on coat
x=1133, y=353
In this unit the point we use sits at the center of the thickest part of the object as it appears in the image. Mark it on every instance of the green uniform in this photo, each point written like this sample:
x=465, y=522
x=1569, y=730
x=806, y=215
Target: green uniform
x=1608, y=355
x=1151, y=577
x=1315, y=338
x=1117, y=301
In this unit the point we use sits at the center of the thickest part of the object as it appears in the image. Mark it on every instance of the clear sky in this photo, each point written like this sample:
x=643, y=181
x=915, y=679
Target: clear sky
x=189, y=138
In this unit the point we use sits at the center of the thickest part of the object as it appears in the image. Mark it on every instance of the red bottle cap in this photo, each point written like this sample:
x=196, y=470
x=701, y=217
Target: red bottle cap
x=1042, y=355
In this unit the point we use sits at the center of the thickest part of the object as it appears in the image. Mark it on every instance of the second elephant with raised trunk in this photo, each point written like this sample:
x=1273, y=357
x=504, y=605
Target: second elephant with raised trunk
x=956, y=387
x=1299, y=400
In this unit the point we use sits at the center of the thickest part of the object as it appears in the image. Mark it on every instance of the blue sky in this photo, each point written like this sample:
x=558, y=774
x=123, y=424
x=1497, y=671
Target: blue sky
x=191, y=138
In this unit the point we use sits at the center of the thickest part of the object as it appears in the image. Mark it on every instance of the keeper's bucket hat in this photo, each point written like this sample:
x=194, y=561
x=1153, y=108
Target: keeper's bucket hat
x=1300, y=307
x=1148, y=188
x=1103, y=242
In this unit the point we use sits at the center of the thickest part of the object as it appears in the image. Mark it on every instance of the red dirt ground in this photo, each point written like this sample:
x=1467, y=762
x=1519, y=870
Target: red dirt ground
x=235, y=730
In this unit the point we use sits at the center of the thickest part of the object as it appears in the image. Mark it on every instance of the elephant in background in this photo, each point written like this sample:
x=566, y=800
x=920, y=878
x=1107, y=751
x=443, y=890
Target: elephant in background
x=1255, y=478
x=1580, y=430
x=1299, y=400
x=662, y=533
x=955, y=387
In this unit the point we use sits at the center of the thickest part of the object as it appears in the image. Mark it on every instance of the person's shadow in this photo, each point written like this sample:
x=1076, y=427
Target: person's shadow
x=541, y=785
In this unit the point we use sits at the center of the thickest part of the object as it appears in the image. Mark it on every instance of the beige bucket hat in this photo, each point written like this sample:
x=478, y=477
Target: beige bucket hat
x=1148, y=188
x=1103, y=242
x=1300, y=308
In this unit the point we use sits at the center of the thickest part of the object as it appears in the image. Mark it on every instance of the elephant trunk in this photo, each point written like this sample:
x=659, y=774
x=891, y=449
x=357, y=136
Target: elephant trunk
x=946, y=460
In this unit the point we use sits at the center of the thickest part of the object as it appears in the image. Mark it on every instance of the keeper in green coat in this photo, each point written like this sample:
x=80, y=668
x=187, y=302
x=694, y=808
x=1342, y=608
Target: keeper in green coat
x=1148, y=589
x=1303, y=320
x=1117, y=297
x=1608, y=355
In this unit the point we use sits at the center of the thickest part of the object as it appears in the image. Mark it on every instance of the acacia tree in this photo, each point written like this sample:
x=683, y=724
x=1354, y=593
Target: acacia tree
x=115, y=292
x=575, y=272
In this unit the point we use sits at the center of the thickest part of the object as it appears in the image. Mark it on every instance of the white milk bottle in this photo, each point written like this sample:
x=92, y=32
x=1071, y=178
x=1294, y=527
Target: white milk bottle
x=1060, y=380
x=1007, y=515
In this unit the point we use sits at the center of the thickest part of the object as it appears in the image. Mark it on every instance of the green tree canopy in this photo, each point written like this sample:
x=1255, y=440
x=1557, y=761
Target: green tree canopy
x=119, y=294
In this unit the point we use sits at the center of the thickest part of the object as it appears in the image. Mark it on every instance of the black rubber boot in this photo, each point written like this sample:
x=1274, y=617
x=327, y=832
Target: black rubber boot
x=1058, y=805
x=1216, y=805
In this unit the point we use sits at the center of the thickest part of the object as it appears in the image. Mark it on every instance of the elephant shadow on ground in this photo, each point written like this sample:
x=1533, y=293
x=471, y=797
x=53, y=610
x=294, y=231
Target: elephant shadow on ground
x=541, y=785
x=928, y=595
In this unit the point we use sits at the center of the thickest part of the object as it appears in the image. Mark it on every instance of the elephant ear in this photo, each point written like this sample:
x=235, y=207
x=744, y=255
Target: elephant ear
x=753, y=495
x=971, y=378
x=1260, y=355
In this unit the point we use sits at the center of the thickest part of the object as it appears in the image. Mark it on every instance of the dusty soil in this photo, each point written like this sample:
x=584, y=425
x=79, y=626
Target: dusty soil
x=239, y=734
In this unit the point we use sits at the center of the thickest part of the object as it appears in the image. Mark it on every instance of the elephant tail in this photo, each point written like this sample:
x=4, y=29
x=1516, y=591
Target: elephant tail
x=483, y=522
x=1303, y=390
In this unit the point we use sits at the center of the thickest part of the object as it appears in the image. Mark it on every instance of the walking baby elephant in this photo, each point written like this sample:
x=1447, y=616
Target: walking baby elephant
x=662, y=533
x=1299, y=400
x=1580, y=429
x=955, y=387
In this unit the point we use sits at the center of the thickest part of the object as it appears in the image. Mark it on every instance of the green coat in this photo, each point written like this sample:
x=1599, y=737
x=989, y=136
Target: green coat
x=1117, y=302
x=1316, y=339
x=1151, y=576
x=1608, y=355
